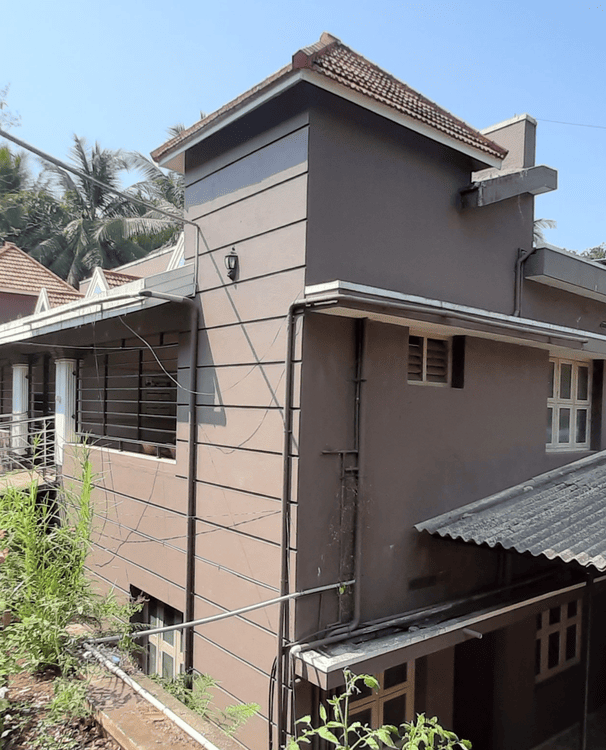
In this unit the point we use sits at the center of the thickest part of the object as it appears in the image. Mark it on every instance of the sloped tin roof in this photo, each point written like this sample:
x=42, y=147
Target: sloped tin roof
x=21, y=274
x=560, y=515
x=330, y=58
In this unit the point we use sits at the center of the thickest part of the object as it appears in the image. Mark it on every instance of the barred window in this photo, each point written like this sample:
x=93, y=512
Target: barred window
x=127, y=395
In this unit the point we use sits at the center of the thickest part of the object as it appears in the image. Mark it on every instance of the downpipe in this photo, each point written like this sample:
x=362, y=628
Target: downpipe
x=523, y=256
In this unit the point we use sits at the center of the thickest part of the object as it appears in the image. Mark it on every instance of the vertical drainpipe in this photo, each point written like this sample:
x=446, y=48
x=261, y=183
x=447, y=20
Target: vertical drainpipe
x=190, y=564
x=523, y=256
x=587, y=610
x=283, y=618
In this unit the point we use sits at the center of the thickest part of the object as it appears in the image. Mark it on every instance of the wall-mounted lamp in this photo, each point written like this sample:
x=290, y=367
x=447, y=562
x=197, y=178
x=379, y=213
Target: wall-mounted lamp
x=231, y=263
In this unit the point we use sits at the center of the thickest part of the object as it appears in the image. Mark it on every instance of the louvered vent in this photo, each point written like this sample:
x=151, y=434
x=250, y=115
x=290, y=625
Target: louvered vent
x=437, y=361
x=428, y=360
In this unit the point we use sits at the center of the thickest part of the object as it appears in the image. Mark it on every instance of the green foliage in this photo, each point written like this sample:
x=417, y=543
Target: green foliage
x=44, y=585
x=337, y=729
x=198, y=698
x=595, y=253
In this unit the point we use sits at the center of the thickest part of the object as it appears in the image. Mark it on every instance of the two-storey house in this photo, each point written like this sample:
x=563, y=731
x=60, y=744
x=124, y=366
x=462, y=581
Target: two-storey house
x=363, y=380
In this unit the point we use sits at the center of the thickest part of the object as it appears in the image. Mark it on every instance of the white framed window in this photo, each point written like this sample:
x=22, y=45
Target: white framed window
x=164, y=650
x=429, y=360
x=569, y=405
x=558, y=639
x=393, y=703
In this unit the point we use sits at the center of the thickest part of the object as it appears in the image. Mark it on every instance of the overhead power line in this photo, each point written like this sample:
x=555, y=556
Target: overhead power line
x=574, y=124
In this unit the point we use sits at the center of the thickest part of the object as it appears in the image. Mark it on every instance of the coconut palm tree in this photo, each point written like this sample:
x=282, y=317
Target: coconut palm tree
x=102, y=227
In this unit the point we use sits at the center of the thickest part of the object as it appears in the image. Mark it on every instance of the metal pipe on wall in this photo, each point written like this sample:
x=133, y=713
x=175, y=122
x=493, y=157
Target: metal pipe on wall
x=523, y=256
x=190, y=563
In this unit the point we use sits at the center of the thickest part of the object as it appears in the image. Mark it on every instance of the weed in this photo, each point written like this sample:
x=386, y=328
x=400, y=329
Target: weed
x=198, y=699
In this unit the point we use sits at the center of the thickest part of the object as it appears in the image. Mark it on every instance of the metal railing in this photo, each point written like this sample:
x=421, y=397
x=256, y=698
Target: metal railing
x=27, y=444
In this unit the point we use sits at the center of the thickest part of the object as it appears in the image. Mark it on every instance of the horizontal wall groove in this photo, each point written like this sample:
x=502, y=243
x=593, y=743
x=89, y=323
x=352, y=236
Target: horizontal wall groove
x=228, y=246
x=231, y=449
x=243, y=617
x=250, y=279
x=238, y=489
x=231, y=653
x=197, y=217
x=245, y=155
x=236, y=574
x=133, y=564
x=236, y=530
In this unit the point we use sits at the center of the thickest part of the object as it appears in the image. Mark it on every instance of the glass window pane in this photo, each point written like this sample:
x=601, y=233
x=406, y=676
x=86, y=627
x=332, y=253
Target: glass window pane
x=564, y=426
x=549, y=433
x=551, y=379
x=565, y=380
x=572, y=609
x=554, y=615
x=581, y=426
x=553, y=650
x=364, y=716
x=395, y=676
x=583, y=383
x=539, y=621
x=168, y=666
x=394, y=710
x=537, y=656
x=571, y=642
x=152, y=666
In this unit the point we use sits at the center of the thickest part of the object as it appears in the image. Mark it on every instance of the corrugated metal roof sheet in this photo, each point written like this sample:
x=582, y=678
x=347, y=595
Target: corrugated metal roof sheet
x=560, y=514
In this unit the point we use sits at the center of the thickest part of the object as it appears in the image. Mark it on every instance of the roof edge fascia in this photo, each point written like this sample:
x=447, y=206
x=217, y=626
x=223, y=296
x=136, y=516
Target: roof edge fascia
x=316, y=79
x=360, y=293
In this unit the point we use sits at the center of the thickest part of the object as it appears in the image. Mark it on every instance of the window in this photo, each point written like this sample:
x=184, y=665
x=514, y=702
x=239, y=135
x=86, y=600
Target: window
x=568, y=404
x=558, y=640
x=392, y=704
x=428, y=360
x=164, y=650
x=127, y=395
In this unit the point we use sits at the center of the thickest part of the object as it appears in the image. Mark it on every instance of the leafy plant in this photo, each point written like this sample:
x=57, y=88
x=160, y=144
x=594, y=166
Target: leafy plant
x=45, y=587
x=338, y=730
x=199, y=696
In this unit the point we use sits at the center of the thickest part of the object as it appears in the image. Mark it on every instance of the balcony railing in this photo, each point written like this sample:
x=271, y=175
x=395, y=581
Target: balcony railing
x=27, y=446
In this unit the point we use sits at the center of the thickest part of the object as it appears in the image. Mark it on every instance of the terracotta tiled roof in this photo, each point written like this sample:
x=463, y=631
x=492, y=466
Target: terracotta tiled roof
x=330, y=58
x=115, y=278
x=21, y=274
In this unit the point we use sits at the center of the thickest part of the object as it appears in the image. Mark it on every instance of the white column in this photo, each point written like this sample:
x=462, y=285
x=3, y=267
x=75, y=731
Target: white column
x=65, y=405
x=20, y=408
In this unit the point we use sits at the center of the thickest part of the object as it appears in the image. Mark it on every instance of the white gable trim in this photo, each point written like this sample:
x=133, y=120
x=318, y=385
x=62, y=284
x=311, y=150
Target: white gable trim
x=97, y=285
x=178, y=256
x=43, y=302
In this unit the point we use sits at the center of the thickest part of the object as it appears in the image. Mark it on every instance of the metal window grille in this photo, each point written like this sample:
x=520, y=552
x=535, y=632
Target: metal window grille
x=127, y=399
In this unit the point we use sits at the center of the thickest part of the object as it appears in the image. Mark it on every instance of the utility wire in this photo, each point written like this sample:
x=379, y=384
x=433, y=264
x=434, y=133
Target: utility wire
x=94, y=180
x=574, y=124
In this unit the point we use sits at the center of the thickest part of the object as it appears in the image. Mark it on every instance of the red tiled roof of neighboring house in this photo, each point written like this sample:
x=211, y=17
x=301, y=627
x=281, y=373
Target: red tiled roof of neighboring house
x=21, y=274
x=331, y=59
x=115, y=278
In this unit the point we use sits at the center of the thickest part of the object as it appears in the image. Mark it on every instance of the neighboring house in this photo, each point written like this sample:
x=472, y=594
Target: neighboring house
x=374, y=373
x=26, y=286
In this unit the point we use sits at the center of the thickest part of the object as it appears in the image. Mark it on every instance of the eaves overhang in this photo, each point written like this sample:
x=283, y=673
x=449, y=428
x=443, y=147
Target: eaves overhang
x=173, y=158
x=121, y=300
x=324, y=666
x=561, y=269
x=348, y=299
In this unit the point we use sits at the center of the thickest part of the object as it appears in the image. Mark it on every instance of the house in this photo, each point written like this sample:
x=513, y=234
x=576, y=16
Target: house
x=363, y=389
x=26, y=286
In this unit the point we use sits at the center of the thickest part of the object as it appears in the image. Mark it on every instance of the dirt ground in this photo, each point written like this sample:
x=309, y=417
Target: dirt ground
x=27, y=726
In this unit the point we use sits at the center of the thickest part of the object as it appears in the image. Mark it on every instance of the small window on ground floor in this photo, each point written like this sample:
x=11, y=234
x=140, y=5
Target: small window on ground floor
x=164, y=650
x=393, y=703
x=558, y=639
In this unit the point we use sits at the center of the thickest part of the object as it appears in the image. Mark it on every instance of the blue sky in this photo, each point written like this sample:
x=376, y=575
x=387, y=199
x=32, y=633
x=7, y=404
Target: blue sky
x=122, y=72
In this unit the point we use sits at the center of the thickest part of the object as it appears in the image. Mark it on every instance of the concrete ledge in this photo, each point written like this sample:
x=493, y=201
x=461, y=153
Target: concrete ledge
x=137, y=725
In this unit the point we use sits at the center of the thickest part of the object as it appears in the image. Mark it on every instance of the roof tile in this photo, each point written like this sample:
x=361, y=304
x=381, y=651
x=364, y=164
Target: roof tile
x=330, y=58
x=21, y=274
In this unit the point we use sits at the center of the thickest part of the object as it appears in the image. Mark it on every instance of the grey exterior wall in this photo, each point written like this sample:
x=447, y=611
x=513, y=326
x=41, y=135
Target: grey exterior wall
x=425, y=450
x=384, y=211
x=247, y=190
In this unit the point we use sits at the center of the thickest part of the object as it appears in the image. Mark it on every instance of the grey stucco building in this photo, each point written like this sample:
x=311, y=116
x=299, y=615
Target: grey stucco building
x=387, y=354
